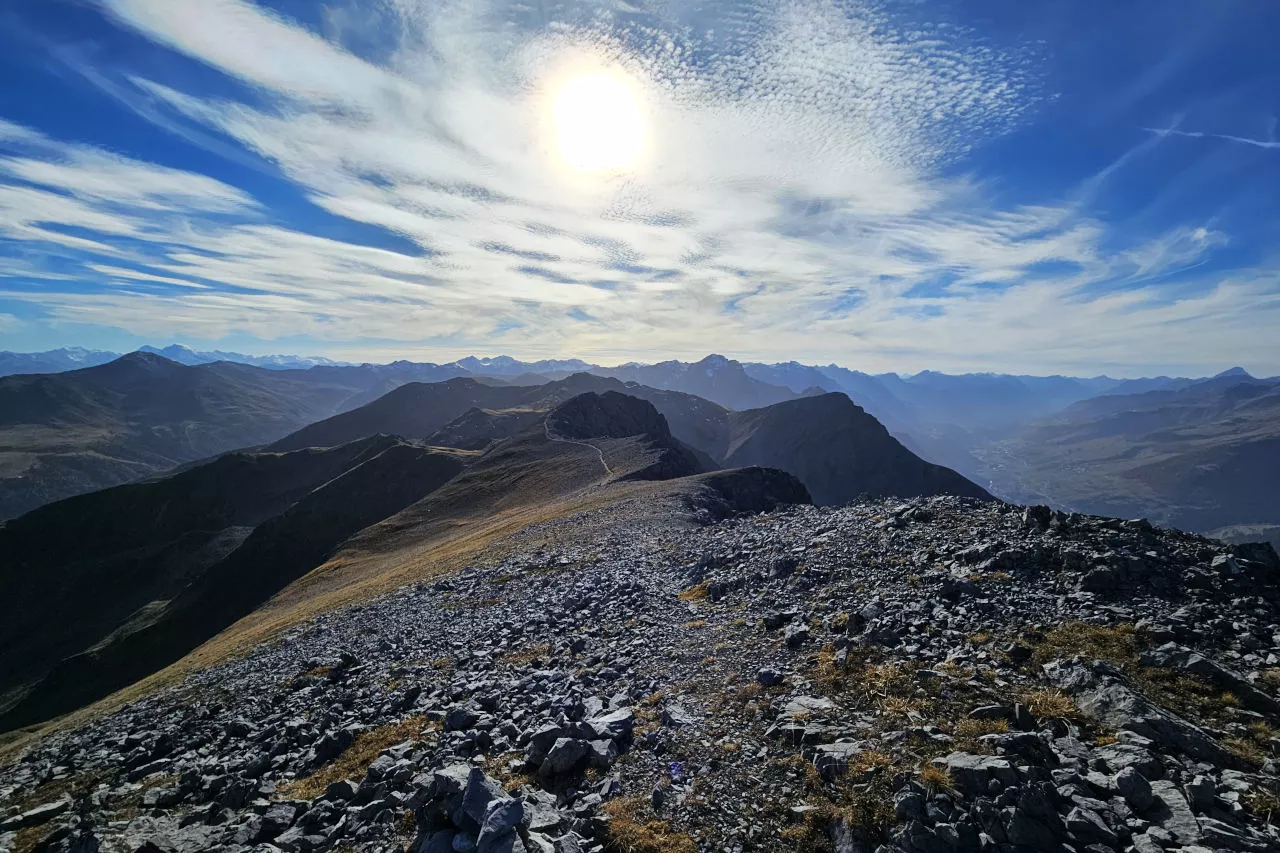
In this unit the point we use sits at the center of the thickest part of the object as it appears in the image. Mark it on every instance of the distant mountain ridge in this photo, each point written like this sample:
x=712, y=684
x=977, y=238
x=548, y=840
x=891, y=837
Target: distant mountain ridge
x=1200, y=456
x=901, y=401
x=981, y=425
x=52, y=361
x=837, y=449
x=68, y=433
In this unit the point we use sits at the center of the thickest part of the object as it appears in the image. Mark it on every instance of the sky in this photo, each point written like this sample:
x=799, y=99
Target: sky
x=1023, y=186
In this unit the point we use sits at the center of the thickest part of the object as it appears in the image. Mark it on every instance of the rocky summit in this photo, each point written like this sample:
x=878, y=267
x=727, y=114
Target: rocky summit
x=942, y=674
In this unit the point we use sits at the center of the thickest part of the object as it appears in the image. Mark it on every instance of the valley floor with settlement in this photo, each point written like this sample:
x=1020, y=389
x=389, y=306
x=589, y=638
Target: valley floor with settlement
x=932, y=675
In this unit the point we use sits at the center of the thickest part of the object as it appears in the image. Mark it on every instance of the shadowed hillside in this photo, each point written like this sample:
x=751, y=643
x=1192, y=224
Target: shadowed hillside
x=161, y=566
x=837, y=450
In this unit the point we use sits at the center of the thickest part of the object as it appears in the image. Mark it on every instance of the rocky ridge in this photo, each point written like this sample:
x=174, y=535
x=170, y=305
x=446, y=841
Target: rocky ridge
x=942, y=674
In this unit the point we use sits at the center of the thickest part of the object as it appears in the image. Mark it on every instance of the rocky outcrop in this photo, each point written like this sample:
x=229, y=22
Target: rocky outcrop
x=723, y=494
x=607, y=415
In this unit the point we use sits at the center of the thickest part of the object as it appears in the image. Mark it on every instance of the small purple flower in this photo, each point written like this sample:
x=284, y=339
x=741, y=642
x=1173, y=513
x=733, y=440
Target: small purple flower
x=676, y=770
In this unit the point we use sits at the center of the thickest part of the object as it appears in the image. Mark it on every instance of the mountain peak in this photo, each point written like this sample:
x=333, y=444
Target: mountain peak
x=1234, y=371
x=148, y=358
x=715, y=360
x=607, y=415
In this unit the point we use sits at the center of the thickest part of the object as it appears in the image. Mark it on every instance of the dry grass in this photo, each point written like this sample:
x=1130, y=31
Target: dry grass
x=971, y=729
x=1119, y=645
x=30, y=839
x=935, y=779
x=1255, y=746
x=633, y=828
x=354, y=763
x=696, y=623
x=800, y=769
x=867, y=809
x=1116, y=644
x=510, y=779
x=872, y=761
x=1050, y=704
x=1265, y=803
x=314, y=672
x=78, y=785
x=695, y=593
x=527, y=655
x=653, y=699
x=1270, y=679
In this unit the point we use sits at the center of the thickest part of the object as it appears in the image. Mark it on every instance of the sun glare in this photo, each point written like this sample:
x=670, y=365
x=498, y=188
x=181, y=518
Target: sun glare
x=599, y=123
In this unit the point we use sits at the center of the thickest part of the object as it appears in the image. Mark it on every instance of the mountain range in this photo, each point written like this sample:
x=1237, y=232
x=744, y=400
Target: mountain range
x=164, y=515
x=1009, y=433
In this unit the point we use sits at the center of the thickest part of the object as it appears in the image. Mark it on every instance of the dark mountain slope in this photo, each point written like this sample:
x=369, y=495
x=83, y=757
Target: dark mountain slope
x=139, y=599
x=612, y=415
x=607, y=415
x=837, y=450
x=834, y=447
x=413, y=410
x=68, y=433
x=476, y=428
x=90, y=562
x=164, y=565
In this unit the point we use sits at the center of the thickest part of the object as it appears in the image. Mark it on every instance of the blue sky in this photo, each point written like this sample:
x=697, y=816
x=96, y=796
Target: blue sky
x=1029, y=187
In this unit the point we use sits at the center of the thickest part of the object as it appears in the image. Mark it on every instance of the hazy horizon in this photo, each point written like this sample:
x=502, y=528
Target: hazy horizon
x=447, y=357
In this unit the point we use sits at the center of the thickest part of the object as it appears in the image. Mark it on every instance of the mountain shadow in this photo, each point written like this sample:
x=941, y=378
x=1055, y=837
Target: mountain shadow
x=837, y=450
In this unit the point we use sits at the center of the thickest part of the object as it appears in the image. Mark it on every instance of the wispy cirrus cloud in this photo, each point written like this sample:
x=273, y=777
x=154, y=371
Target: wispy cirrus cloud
x=1196, y=134
x=801, y=194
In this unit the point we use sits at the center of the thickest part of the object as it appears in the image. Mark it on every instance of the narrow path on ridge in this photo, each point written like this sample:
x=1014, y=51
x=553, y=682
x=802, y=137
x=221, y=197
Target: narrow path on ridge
x=546, y=424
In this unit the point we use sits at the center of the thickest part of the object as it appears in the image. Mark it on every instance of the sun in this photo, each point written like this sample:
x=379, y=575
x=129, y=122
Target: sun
x=599, y=123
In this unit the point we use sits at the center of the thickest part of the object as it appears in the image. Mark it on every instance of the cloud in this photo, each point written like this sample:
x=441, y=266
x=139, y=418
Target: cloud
x=1192, y=134
x=800, y=196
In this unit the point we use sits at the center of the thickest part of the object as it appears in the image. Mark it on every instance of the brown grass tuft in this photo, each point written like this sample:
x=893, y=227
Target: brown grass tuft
x=1050, y=704
x=526, y=656
x=970, y=729
x=633, y=828
x=695, y=593
x=935, y=779
x=354, y=762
